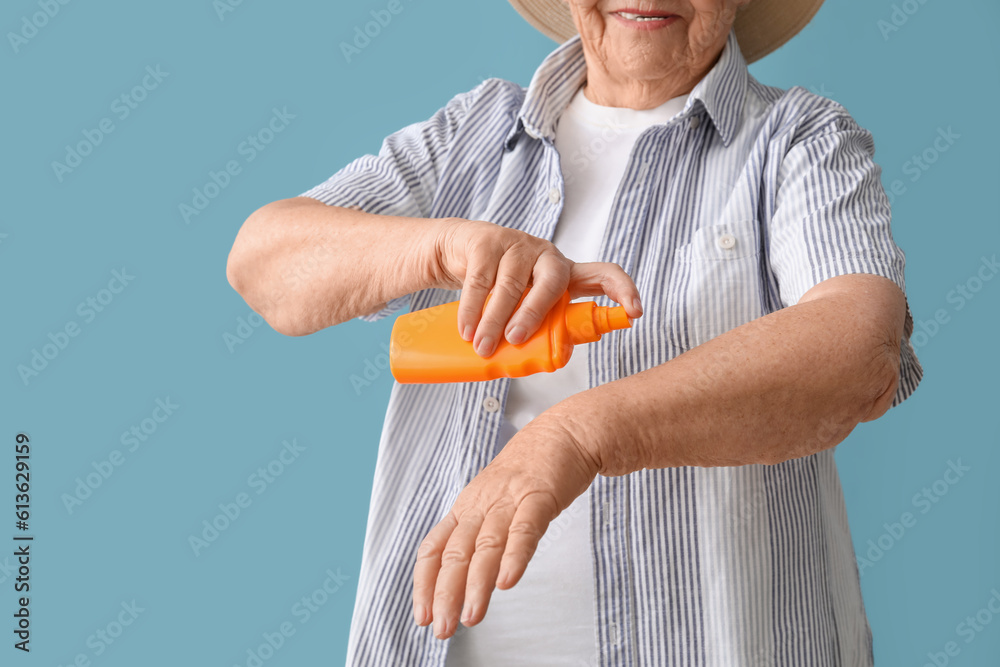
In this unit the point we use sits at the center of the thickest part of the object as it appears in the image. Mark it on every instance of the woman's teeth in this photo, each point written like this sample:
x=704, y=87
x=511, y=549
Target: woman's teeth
x=639, y=17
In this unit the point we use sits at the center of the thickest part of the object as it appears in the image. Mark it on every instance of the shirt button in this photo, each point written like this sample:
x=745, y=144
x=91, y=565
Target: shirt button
x=554, y=195
x=727, y=241
x=491, y=404
x=694, y=122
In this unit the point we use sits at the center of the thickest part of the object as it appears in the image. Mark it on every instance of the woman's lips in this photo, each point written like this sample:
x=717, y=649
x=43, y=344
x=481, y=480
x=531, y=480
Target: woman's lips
x=639, y=20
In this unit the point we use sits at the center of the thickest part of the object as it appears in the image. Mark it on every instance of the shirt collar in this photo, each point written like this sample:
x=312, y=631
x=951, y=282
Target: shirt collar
x=564, y=71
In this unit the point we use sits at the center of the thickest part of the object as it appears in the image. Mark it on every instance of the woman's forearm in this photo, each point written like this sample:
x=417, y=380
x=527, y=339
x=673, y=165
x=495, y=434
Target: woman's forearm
x=786, y=385
x=304, y=265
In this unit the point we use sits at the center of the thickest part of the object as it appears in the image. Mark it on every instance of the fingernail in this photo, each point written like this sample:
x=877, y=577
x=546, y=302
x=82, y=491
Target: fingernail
x=439, y=628
x=516, y=334
x=485, y=346
x=636, y=305
x=420, y=614
x=469, y=330
x=467, y=613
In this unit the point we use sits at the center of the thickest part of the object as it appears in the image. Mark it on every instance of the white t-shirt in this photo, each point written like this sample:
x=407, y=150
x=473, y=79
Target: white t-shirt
x=548, y=617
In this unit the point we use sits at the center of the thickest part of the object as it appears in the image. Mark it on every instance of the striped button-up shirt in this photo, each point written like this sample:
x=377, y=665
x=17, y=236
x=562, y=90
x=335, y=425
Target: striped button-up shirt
x=729, y=211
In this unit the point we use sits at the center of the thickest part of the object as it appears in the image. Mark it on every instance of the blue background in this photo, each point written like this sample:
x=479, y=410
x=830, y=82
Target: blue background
x=164, y=335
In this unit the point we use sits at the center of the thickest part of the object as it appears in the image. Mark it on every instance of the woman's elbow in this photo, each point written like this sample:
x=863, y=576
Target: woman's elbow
x=883, y=382
x=279, y=316
x=235, y=272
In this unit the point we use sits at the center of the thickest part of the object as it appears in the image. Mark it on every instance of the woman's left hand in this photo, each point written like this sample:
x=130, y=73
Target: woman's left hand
x=497, y=521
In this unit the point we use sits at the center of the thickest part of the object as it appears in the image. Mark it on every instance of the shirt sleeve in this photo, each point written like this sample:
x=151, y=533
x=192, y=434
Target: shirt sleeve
x=831, y=217
x=402, y=179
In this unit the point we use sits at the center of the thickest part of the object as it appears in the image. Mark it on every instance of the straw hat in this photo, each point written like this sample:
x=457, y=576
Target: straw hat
x=761, y=27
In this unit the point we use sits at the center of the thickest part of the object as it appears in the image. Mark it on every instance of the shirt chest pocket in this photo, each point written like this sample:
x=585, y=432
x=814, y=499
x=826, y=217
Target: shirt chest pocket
x=714, y=282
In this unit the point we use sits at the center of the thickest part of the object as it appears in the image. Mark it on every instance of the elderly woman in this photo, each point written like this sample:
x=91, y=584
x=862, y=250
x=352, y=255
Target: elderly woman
x=689, y=459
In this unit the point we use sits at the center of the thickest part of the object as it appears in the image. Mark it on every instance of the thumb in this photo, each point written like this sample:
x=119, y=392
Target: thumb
x=597, y=278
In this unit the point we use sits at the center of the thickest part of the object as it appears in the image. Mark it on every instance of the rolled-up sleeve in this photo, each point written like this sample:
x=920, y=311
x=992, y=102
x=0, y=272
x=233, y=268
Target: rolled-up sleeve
x=402, y=180
x=831, y=217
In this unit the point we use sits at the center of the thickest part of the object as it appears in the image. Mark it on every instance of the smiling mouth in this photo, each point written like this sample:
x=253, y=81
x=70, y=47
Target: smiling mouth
x=641, y=17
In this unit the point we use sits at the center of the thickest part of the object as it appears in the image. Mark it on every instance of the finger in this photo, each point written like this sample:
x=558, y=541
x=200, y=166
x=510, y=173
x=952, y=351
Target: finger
x=513, y=276
x=529, y=524
x=549, y=281
x=449, y=591
x=596, y=278
x=479, y=279
x=425, y=571
x=485, y=566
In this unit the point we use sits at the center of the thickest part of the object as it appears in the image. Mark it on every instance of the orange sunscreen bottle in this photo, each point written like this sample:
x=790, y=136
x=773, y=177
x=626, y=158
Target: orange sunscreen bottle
x=425, y=345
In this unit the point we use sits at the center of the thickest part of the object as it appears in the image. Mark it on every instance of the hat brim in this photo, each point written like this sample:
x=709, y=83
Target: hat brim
x=761, y=26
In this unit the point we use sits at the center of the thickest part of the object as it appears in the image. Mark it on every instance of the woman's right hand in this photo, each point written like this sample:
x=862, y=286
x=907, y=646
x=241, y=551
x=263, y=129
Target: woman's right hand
x=480, y=257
